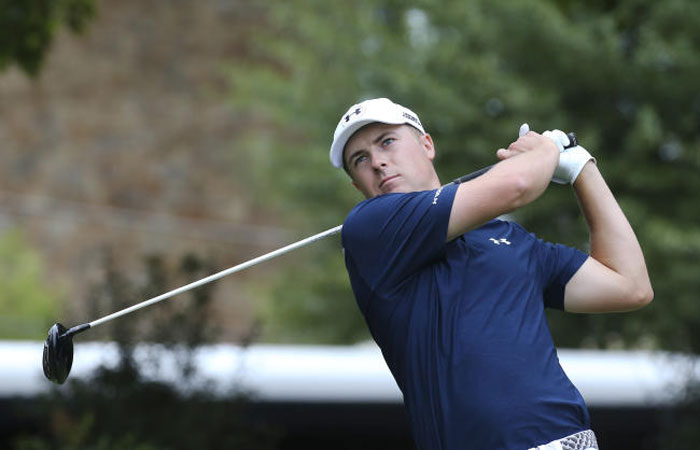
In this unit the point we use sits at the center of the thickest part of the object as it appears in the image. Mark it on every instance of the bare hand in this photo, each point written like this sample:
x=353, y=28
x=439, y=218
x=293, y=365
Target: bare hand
x=525, y=143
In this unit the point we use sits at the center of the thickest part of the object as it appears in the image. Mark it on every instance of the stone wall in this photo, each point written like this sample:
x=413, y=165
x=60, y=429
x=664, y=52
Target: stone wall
x=126, y=144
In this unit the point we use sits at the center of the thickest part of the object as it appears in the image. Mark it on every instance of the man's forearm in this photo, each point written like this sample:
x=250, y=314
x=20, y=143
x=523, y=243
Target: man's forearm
x=520, y=178
x=533, y=168
x=613, y=241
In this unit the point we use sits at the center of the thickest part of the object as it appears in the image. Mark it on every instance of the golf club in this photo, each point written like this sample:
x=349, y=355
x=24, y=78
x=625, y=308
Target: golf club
x=57, y=357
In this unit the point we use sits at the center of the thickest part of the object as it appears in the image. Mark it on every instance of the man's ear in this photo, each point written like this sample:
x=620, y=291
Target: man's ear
x=427, y=142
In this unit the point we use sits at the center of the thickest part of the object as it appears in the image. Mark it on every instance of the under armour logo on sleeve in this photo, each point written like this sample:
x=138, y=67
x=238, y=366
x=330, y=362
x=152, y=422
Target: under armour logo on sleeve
x=500, y=241
x=437, y=194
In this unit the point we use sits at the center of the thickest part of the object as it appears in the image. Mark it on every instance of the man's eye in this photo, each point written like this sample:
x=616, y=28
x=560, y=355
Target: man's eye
x=358, y=160
x=388, y=141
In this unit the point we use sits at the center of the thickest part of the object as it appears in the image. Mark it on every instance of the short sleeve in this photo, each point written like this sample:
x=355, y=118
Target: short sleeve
x=388, y=238
x=559, y=263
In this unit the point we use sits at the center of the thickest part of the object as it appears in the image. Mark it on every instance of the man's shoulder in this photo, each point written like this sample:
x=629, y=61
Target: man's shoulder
x=366, y=209
x=397, y=217
x=394, y=203
x=377, y=207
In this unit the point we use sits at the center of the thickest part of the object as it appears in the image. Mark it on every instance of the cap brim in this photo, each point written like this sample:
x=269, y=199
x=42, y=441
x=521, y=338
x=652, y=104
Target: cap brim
x=339, y=143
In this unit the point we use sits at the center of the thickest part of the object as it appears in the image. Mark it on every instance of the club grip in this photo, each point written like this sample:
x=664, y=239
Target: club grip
x=471, y=176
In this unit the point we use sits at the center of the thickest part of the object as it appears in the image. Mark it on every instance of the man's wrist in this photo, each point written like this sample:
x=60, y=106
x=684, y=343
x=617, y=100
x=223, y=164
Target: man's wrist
x=588, y=170
x=571, y=162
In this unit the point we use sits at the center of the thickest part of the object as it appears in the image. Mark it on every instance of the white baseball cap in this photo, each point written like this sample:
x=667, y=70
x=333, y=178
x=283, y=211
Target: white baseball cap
x=375, y=110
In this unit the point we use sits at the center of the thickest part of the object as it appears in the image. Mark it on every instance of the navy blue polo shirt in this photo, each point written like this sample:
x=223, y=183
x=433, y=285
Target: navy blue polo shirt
x=461, y=325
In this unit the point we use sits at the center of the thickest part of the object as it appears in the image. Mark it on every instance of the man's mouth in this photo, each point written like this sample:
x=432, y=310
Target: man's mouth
x=387, y=180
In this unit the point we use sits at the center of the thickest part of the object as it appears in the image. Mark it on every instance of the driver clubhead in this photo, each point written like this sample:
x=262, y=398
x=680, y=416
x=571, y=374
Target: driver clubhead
x=58, y=354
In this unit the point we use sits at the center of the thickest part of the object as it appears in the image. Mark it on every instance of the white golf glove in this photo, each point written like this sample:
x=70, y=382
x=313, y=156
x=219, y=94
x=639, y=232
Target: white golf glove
x=524, y=128
x=571, y=160
x=559, y=137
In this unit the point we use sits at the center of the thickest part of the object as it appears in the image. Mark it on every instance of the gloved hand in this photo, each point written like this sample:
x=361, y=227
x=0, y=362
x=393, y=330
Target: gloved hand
x=559, y=137
x=571, y=160
x=524, y=128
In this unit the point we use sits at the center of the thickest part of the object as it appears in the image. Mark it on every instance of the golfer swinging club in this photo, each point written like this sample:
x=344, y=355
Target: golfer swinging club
x=455, y=299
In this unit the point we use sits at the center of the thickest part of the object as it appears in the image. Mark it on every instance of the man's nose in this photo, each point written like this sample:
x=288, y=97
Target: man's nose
x=379, y=161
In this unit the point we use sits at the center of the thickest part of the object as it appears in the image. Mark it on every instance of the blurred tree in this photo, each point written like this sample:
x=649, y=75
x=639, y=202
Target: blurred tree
x=120, y=407
x=27, y=305
x=27, y=28
x=621, y=74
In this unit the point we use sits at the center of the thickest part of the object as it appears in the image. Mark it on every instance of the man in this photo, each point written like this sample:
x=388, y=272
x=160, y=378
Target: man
x=455, y=299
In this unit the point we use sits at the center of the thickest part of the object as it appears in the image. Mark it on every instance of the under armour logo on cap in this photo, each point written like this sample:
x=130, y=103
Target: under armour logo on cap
x=356, y=112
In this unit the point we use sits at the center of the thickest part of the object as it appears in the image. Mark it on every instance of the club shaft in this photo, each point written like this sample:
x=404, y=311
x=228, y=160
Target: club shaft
x=218, y=275
x=239, y=267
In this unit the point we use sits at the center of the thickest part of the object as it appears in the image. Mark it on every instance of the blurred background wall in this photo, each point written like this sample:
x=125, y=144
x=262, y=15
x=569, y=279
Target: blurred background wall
x=124, y=144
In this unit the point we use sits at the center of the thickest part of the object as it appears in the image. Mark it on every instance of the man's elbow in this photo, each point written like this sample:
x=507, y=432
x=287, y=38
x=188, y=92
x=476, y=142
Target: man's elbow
x=648, y=296
x=641, y=297
x=522, y=190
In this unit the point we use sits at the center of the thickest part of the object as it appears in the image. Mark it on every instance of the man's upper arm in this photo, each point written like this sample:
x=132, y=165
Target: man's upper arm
x=595, y=288
x=478, y=201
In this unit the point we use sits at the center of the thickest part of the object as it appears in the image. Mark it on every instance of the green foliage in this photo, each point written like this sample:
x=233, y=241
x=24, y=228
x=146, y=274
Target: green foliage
x=120, y=407
x=309, y=302
x=27, y=303
x=622, y=75
x=27, y=28
x=186, y=315
x=679, y=425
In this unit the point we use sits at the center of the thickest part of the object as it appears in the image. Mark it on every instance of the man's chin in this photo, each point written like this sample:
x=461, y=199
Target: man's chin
x=393, y=186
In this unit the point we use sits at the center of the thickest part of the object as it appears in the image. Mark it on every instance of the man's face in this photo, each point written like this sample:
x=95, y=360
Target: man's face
x=382, y=158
